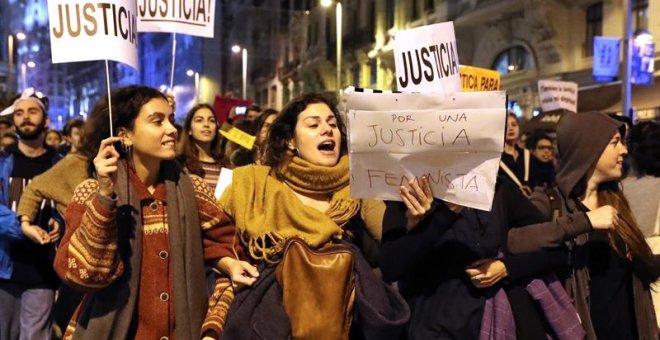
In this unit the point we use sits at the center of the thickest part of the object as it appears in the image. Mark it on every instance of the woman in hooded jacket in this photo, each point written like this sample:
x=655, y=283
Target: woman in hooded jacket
x=611, y=266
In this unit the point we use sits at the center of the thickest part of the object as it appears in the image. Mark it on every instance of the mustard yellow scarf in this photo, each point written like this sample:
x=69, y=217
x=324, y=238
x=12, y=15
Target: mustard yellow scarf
x=267, y=212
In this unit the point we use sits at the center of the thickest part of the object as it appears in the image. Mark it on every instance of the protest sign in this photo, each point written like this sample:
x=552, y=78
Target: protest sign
x=237, y=136
x=224, y=180
x=426, y=59
x=81, y=30
x=606, y=58
x=193, y=17
x=557, y=95
x=479, y=79
x=456, y=139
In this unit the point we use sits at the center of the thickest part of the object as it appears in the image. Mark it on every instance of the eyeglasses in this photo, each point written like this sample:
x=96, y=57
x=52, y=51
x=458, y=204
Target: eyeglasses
x=545, y=147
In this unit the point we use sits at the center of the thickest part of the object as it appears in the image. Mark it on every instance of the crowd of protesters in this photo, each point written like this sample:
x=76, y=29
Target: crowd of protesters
x=121, y=236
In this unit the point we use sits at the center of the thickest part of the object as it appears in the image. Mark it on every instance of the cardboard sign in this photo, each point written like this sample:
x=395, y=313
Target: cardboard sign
x=606, y=58
x=237, y=136
x=479, y=79
x=557, y=95
x=193, y=17
x=82, y=30
x=456, y=139
x=426, y=59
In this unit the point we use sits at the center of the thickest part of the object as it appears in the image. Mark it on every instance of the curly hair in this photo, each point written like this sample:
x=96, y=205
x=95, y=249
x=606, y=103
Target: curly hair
x=284, y=127
x=126, y=104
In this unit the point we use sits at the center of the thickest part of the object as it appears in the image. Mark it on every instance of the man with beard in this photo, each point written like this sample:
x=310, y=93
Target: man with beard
x=27, y=278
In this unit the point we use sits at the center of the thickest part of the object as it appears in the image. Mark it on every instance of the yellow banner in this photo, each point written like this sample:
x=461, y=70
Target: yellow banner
x=237, y=136
x=479, y=79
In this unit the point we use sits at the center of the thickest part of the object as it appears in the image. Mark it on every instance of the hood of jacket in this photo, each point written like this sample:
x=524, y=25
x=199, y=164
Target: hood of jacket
x=581, y=139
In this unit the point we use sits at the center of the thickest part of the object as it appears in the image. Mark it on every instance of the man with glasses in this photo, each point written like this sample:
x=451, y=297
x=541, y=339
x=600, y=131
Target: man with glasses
x=542, y=147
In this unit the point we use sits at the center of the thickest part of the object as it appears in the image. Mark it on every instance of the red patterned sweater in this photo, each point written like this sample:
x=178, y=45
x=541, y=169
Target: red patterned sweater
x=88, y=258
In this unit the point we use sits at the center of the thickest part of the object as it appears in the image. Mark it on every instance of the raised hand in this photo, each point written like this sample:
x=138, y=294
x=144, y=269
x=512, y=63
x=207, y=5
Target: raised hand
x=418, y=201
x=106, y=162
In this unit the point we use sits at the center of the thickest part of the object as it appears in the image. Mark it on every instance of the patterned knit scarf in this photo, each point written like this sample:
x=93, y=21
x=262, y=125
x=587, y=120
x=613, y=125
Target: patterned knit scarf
x=267, y=211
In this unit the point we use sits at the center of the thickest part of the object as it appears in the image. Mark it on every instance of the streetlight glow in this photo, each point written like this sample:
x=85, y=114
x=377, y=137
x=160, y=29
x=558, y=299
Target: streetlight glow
x=190, y=73
x=235, y=48
x=31, y=64
x=326, y=3
x=20, y=36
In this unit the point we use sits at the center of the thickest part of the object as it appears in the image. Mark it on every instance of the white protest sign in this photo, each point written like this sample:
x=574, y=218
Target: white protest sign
x=557, y=95
x=83, y=30
x=455, y=139
x=426, y=59
x=193, y=17
x=223, y=182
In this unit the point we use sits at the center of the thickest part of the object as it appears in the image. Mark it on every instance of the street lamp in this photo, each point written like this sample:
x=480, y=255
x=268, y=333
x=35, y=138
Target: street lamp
x=338, y=12
x=192, y=73
x=20, y=36
x=244, y=55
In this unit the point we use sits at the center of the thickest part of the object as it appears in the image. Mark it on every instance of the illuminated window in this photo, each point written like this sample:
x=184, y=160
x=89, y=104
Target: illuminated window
x=514, y=59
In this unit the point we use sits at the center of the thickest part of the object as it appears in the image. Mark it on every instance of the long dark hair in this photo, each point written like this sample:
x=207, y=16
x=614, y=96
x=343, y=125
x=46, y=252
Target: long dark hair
x=126, y=104
x=610, y=193
x=258, y=149
x=189, y=153
x=284, y=128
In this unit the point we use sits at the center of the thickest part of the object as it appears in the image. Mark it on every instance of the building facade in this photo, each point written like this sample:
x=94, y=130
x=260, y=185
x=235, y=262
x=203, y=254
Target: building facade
x=525, y=40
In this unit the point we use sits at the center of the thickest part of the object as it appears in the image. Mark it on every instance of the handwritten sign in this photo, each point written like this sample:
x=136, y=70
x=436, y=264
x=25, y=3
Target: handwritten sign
x=455, y=139
x=193, y=17
x=557, y=95
x=479, y=79
x=426, y=59
x=237, y=136
x=81, y=30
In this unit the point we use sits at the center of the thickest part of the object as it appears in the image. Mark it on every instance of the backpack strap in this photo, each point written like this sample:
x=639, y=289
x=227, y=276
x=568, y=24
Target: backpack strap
x=526, y=157
x=510, y=173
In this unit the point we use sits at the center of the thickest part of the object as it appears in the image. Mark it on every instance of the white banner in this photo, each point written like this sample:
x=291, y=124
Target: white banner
x=455, y=139
x=557, y=95
x=193, y=17
x=426, y=59
x=81, y=30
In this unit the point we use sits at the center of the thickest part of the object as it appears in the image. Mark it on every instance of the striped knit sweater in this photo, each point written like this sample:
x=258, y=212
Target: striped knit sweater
x=88, y=258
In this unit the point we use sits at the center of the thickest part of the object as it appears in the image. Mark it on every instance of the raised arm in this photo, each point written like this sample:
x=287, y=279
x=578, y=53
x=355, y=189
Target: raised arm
x=87, y=258
x=537, y=234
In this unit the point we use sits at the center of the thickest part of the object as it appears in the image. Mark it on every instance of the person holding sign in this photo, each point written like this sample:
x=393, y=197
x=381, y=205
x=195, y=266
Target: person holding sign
x=138, y=234
x=611, y=266
x=200, y=148
x=454, y=267
x=301, y=227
